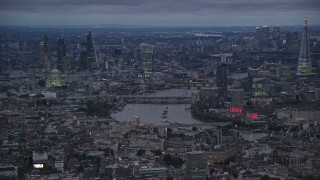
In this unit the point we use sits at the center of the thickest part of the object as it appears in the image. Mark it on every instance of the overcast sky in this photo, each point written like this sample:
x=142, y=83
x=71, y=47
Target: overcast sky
x=159, y=12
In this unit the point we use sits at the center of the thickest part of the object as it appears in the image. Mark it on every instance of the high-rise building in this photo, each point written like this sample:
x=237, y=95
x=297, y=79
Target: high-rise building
x=196, y=166
x=265, y=32
x=44, y=54
x=90, y=45
x=262, y=32
x=147, y=56
x=237, y=100
x=45, y=58
x=276, y=37
x=292, y=41
x=258, y=33
x=304, y=61
x=92, y=60
x=221, y=80
x=262, y=35
x=276, y=33
x=61, y=55
x=83, y=64
x=237, y=97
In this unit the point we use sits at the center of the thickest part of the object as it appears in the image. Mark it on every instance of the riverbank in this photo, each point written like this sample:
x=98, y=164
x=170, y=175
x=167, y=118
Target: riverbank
x=201, y=115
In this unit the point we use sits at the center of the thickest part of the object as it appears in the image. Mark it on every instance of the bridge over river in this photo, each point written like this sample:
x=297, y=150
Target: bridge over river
x=155, y=99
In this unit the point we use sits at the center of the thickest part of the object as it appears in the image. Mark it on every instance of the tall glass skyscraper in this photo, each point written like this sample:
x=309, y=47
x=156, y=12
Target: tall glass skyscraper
x=44, y=54
x=262, y=35
x=91, y=52
x=147, y=56
x=222, y=81
x=61, y=55
x=276, y=32
x=304, y=62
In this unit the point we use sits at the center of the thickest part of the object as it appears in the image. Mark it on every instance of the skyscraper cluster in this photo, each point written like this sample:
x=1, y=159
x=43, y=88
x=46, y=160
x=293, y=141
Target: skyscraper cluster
x=53, y=75
x=88, y=56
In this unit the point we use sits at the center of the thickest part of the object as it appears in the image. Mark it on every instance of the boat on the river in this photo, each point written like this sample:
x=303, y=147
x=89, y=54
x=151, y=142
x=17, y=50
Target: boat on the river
x=165, y=120
x=165, y=112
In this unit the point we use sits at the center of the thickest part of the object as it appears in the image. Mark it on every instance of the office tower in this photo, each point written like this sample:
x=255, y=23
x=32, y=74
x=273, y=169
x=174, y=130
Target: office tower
x=236, y=100
x=196, y=166
x=292, y=41
x=41, y=54
x=83, y=64
x=147, y=56
x=276, y=37
x=61, y=55
x=221, y=80
x=288, y=37
x=265, y=32
x=237, y=97
x=304, y=61
x=90, y=45
x=45, y=59
x=92, y=60
x=262, y=35
x=44, y=54
x=258, y=33
x=276, y=33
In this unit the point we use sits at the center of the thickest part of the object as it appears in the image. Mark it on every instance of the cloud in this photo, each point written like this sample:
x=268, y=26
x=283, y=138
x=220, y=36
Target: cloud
x=168, y=5
x=69, y=2
x=156, y=9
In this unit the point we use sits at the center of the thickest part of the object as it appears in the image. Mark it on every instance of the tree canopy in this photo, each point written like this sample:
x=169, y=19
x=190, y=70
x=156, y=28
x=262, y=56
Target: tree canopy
x=174, y=161
x=100, y=109
x=141, y=152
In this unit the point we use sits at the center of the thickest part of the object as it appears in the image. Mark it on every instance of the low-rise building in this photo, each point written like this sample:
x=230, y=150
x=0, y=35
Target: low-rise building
x=8, y=171
x=196, y=165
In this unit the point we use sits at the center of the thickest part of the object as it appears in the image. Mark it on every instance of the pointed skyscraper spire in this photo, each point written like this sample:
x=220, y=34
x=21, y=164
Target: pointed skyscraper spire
x=304, y=61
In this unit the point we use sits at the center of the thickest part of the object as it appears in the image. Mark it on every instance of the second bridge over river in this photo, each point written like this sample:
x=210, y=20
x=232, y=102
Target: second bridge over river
x=155, y=99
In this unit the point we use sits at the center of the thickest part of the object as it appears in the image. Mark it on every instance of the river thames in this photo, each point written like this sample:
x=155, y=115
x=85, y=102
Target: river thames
x=180, y=113
x=152, y=113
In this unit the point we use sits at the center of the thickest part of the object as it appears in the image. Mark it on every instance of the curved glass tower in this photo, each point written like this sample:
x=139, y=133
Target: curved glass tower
x=92, y=55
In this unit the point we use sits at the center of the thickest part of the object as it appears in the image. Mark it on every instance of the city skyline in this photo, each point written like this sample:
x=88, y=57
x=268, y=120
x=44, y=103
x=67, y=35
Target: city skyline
x=164, y=13
x=159, y=98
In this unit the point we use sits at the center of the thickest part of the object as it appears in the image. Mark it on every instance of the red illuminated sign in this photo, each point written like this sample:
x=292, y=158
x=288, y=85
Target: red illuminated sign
x=236, y=109
x=253, y=116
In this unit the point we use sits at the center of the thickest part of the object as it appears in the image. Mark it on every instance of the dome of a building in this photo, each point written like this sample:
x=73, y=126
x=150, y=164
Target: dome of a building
x=54, y=79
x=55, y=71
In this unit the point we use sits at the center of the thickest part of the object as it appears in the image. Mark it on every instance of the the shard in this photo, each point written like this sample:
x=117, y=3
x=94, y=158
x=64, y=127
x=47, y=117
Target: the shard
x=304, y=62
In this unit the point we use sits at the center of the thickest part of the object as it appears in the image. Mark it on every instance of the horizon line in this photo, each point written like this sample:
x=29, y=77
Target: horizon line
x=144, y=25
